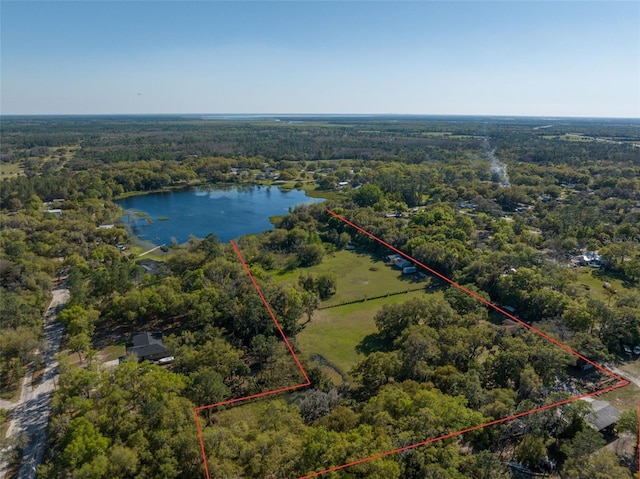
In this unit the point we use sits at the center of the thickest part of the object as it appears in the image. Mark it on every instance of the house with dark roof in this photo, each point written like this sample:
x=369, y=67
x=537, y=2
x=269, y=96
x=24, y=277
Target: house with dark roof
x=147, y=346
x=153, y=267
x=603, y=417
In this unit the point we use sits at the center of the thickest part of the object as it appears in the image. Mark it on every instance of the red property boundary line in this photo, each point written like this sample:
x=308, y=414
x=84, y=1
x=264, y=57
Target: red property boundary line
x=197, y=410
x=621, y=382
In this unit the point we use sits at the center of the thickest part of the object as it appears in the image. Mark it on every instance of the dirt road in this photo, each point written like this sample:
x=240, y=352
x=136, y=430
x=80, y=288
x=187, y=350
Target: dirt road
x=624, y=374
x=31, y=412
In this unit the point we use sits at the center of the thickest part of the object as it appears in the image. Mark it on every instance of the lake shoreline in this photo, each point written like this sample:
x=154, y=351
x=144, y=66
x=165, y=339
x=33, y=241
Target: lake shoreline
x=309, y=188
x=229, y=211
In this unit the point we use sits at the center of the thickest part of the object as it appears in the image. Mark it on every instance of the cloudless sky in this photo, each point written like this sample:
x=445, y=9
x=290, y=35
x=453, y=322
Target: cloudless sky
x=539, y=58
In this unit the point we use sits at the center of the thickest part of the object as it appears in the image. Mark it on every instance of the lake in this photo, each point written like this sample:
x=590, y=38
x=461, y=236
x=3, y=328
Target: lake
x=229, y=212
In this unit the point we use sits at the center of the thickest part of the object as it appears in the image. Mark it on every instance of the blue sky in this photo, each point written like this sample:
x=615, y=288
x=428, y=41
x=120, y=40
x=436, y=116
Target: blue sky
x=541, y=58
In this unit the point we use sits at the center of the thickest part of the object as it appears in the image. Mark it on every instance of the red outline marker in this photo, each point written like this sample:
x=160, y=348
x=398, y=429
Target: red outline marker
x=253, y=396
x=481, y=299
x=621, y=382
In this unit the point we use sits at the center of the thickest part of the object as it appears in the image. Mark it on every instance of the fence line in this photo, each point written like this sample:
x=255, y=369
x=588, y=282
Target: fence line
x=367, y=298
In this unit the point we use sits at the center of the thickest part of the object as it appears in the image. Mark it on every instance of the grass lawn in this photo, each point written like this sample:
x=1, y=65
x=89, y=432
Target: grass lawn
x=573, y=138
x=623, y=398
x=311, y=189
x=592, y=281
x=334, y=333
x=61, y=152
x=626, y=397
x=58, y=156
x=111, y=353
x=359, y=276
x=8, y=170
x=137, y=249
x=632, y=367
x=156, y=255
x=331, y=338
x=309, y=186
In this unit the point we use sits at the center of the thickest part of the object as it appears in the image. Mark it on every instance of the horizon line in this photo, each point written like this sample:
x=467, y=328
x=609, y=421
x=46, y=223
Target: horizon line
x=293, y=115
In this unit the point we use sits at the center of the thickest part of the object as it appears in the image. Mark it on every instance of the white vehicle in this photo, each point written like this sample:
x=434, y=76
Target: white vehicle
x=166, y=360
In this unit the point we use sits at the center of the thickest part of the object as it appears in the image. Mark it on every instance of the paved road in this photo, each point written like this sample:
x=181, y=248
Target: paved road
x=31, y=412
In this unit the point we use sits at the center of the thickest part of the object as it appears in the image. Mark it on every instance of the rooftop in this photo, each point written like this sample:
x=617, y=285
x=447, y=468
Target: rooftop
x=603, y=415
x=147, y=345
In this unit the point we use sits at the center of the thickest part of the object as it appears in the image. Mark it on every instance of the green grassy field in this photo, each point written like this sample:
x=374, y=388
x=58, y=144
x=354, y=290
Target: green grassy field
x=8, y=170
x=61, y=152
x=359, y=275
x=335, y=333
x=59, y=155
x=623, y=398
x=311, y=189
x=626, y=397
x=594, y=279
x=566, y=137
x=331, y=338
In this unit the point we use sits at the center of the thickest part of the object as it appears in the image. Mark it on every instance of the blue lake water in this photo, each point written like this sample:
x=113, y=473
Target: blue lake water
x=228, y=212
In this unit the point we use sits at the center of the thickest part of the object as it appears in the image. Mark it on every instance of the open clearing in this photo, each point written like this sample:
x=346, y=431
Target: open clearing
x=335, y=333
x=63, y=153
x=331, y=339
x=7, y=170
x=360, y=314
x=359, y=276
x=623, y=398
x=594, y=279
x=632, y=367
x=627, y=397
x=111, y=353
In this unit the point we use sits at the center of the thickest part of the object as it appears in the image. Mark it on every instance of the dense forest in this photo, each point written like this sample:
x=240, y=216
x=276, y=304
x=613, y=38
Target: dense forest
x=508, y=208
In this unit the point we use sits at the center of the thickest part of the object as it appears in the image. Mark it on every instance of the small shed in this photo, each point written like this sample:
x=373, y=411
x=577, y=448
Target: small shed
x=603, y=417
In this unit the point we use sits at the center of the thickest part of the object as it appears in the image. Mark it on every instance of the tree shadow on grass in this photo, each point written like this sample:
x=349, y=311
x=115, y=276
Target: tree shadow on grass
x=608, y=274
x=371, y=343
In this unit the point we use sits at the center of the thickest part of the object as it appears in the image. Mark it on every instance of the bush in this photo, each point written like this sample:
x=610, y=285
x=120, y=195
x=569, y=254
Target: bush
x=310, y=255
x=326, y=285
